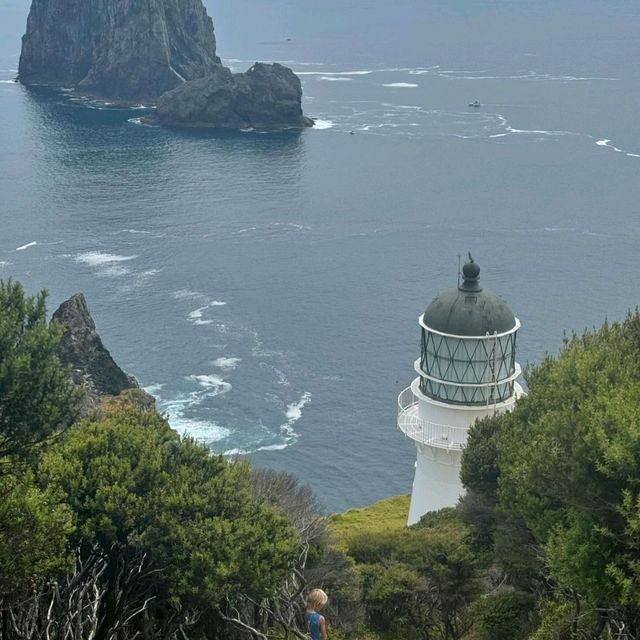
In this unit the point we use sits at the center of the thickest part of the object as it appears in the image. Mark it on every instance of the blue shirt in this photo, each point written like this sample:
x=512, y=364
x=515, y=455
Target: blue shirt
x=313, y=620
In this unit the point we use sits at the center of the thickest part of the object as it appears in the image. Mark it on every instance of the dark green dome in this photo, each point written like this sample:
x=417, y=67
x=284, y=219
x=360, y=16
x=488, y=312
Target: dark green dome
x=469, y=310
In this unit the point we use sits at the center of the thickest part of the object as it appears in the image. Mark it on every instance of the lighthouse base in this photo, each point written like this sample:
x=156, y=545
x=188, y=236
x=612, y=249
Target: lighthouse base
x=436, y=483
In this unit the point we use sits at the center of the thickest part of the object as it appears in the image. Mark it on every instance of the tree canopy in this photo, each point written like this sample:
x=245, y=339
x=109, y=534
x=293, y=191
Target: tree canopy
x=37, y=396
x=566, y=465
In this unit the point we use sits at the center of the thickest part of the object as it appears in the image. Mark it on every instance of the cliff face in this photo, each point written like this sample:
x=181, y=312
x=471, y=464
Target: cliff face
x=90, y=363
x=118, y=49
x=268, y=96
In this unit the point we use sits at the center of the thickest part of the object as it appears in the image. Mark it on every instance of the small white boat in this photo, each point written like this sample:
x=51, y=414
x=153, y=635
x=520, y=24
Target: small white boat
x=475, y=103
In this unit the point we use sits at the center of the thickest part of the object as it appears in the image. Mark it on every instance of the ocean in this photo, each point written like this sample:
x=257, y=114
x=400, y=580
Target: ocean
x=266, y=287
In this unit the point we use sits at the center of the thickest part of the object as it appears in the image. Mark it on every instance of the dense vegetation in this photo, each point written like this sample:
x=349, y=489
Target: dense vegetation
x=554, y=487
x=113, y=526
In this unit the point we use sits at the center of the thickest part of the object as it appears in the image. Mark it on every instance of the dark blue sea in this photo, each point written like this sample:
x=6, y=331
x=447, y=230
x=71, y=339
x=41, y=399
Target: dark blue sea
x=266, y=287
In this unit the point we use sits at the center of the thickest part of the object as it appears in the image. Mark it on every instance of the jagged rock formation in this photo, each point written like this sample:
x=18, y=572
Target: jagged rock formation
x=130, y=50
x=91, y=365
x=268, y=96
x=138, y=50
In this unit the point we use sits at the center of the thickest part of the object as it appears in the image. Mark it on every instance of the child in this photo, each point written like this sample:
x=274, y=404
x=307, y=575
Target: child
x=316, y=599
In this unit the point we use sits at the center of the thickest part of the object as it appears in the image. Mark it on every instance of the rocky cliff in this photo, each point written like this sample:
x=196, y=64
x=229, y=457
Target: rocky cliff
x=268, y=96
x=130, y=50
x=91, y=365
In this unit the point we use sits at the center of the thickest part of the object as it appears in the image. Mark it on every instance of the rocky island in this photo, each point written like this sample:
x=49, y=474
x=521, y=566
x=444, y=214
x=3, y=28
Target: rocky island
x=154, y=52
x=268, y=96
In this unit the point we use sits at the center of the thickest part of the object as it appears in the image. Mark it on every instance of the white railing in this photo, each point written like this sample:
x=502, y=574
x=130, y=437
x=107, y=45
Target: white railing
x=442, y=436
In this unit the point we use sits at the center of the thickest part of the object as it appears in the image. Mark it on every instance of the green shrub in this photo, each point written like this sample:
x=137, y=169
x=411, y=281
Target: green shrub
x=504, y=616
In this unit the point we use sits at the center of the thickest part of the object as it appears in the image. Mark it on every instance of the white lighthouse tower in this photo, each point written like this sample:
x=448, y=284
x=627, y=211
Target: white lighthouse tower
x=467, y=370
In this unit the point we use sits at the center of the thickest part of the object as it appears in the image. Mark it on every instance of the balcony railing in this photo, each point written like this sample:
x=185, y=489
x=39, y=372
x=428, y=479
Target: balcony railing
x=441, y=436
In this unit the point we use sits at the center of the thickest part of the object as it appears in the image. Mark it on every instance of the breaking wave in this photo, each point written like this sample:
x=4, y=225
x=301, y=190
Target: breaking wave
x=226, y=363
x=97, y=258
x=26, y=246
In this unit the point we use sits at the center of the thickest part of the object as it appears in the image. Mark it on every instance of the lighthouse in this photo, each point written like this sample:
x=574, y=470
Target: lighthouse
x=467, y=370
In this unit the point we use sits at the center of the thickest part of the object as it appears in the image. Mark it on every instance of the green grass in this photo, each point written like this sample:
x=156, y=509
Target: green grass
x=387, y=515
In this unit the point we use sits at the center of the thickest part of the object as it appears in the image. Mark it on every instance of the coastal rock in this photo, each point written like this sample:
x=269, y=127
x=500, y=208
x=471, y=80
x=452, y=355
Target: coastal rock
x=267, y=96
x=90, y=363
x=129, y=50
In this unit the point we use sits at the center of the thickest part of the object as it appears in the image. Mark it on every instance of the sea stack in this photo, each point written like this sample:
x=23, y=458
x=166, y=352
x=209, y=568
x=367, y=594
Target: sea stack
x=128, y=50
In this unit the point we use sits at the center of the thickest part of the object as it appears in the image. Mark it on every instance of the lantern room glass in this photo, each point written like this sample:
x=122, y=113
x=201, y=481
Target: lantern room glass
x=469, y=371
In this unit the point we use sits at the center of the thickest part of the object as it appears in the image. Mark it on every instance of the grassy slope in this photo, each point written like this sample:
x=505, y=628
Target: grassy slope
x=387, y=515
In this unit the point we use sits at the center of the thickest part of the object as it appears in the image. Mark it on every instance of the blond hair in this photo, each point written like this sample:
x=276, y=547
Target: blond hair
x=316, y=599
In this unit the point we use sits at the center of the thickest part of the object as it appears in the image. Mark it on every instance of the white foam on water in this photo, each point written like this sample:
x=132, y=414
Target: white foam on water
x=322, y=124
x=114, y=271
x=542, y=132
x=153, y=389
x=605, y=143
x=136, y=279
x=334, y=79
x=294, y=413
x=228, y=363
x=530, y=76
x=26, y=246
x=272, y=447
x=333, y=73
x=304, y=64
x=246, y=452
x=135, y=121
x=214, y=384
x=4, y=263
x=401, y=85
x=201, y=430
x=196, y=314
x=280, y=226
x=294, y=410
x=292, y=225
x=136, y=231
x=98, y=258
x=202, y=322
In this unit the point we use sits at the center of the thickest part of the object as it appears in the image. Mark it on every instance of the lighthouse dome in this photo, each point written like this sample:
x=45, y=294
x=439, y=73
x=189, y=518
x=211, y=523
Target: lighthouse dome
x=469, y=310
